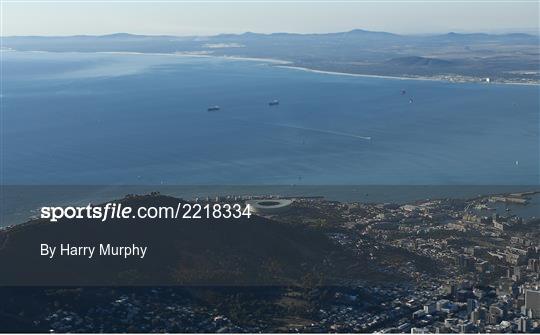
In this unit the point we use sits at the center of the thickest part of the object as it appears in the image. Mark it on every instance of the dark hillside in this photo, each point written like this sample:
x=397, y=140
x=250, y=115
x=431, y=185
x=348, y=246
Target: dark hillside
x=254, y=251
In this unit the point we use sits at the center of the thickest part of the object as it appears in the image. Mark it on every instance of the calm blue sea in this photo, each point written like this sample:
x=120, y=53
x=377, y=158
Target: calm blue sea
x=113, y=119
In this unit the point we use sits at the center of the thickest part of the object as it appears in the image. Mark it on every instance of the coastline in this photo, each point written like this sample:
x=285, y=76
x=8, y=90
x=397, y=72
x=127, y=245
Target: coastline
x=348, y=74
x=420, y=78
x=280, y=63
x=26, y=201
x=198, y=55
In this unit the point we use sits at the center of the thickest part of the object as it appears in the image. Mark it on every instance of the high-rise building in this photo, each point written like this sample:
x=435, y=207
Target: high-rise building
x=464, y=262
x=532, y=303
x=430, y=308
x=478, y=316
x=522, y=325
x=465, y=327
x=471, y=305
x=534, y=265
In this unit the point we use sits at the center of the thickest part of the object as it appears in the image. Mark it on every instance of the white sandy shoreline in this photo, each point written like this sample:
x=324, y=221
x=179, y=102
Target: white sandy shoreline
x=198, y=55
x=399, y=78
x=348, y=74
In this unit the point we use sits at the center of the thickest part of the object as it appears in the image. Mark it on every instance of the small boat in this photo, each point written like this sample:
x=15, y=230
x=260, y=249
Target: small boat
x=213, y=108
x=410, y=100
x=273, y=103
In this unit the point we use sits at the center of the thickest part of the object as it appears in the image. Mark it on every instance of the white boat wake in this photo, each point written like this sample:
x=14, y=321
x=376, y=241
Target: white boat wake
x=322, y=131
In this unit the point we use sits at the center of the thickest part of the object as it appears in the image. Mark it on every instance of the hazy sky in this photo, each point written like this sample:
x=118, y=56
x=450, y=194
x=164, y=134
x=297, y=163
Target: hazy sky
x=213, y=17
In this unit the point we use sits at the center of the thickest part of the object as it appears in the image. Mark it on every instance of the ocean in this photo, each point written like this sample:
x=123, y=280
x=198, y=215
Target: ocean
x=101, y=121
x=134, y=119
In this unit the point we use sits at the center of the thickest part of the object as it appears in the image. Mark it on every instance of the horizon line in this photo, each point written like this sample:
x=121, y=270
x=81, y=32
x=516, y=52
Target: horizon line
x=518, y=31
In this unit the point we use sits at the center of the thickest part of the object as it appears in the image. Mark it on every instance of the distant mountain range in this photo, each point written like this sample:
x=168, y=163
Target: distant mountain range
x=506, y=57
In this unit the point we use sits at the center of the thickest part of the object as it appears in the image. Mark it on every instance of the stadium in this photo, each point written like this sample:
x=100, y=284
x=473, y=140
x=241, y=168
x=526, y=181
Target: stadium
x=269, y=206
